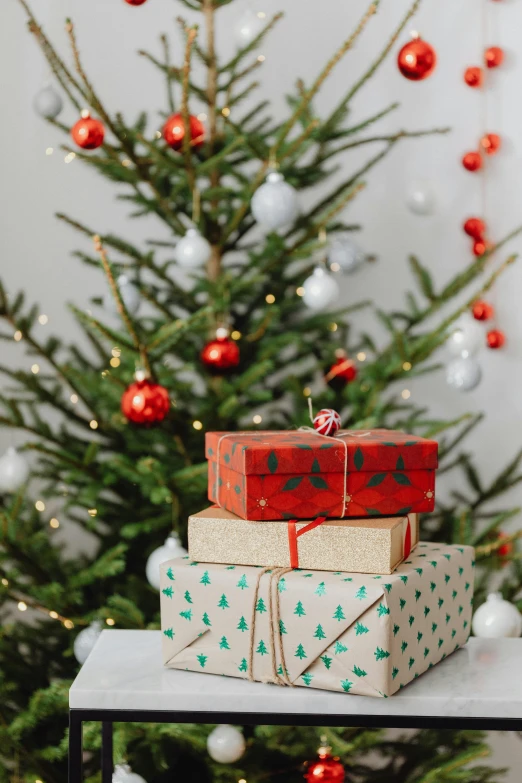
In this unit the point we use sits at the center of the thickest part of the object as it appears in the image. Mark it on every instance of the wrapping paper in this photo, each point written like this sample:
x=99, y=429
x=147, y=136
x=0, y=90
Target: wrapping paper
x=338, y=631
x=303, y=475
x=375, y=546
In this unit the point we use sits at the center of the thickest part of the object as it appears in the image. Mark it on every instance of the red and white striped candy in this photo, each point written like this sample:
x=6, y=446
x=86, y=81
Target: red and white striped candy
x=327, y=422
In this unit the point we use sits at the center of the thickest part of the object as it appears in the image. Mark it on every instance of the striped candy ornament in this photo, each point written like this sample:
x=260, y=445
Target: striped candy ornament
x=327, y=422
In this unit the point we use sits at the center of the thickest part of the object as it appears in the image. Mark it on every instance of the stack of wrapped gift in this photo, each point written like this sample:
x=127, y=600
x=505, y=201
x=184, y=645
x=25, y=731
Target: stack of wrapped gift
x=307, y=569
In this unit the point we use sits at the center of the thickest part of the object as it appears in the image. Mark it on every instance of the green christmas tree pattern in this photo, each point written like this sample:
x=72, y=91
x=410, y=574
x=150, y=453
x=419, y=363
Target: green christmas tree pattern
x=223, y=644
x=261, y=648
x=169, y=633
x=223, y=603
x=186, y=615
x=243, y=666
x=170, y=574
x=361, y=593
x=242, y=625
x=168, y=591
x=205, y=579
x=360, y=629
x=202, y=659
x=300, y=652
x=299, y=609
x=261, y=606
x=319, y=632
x=320, y=589
x=206, y=620
x=187, y=597
x=339, y=614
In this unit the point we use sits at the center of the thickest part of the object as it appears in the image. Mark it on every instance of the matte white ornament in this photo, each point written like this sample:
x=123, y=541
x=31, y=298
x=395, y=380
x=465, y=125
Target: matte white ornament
x=466, y=338
x=170, y=549
x=193, y=249
x=464, y=373
x=420, y=199
x=320, y=289
x=275, y=203
x=130, y=295
x=14, y=471
x=496, y=619
x=344, y=254
x=86, y=640
x=124, y=774
x=248, y=28
x=48, y=103
x=225, y=744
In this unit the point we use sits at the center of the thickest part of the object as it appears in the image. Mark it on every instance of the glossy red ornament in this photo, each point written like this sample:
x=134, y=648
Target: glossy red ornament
x=174, y=131
x=326, y=770
x=472, y=161
x=145, y=402
x=480, y=246
x=342, y=371
x=474, y=76
x=491, y=143
x=495, y=338
x=506, y=549
x=135, y=2
x=327, y=422
x=494, y=56
x=88, y=133
x=220, y=355
x=482, y=311
x=474, y=227
x=417, y=60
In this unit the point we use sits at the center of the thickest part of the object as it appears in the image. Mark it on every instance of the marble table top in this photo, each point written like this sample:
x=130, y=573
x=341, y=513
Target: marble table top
x=125, y=672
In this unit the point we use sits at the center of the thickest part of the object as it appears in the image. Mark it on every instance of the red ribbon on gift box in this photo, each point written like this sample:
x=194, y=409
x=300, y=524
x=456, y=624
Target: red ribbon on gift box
x=294, y=533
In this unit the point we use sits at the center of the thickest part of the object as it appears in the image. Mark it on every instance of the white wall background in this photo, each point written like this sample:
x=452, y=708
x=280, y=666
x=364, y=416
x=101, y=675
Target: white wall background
x=35, y=249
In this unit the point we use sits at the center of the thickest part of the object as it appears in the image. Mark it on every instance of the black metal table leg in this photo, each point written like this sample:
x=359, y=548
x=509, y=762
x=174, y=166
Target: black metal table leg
x=75, y=748
x=106, y=753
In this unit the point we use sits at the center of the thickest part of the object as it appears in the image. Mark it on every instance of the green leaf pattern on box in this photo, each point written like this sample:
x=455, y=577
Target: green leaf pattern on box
x=345, y=632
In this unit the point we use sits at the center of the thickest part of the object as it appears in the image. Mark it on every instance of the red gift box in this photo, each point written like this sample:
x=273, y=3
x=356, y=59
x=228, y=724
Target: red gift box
x=303, y=475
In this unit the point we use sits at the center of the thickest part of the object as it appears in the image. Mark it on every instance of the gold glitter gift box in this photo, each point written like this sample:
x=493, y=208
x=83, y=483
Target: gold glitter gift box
x=366, y=546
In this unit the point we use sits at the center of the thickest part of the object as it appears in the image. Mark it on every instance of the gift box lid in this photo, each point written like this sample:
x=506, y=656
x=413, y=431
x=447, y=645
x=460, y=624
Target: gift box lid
x=303, y=451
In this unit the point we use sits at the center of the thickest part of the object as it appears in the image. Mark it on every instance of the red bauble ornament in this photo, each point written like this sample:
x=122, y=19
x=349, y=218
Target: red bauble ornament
x=174, y=131
x=327, y=422
x=342, y=371
x=474, y=227
x=221, y=354
x=417, y=60
x=135, y=2
x=472, y=161
x=474, y=76
x=482, y=311
x=494, y=56
x=480, y=246
x=88, y=133
x=495, y=338
x=145, y=402
x=491, y=143
x=506, y=549
x=326, y=770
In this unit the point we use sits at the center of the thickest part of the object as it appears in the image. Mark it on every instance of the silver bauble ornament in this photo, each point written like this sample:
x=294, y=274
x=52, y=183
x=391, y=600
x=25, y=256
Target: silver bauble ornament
x=192, y=250
x=463, y=373
x=248, y=28
x=344, y=254
x=497, y=619
x=171, y=548
x=48, y=103
x=14, y=471
x=130, y=295
x=225, y=744
x=320, y=289
x=420, y=199
x=124, y=774
x=466, y=338
x=86, y=640
x=275, y=203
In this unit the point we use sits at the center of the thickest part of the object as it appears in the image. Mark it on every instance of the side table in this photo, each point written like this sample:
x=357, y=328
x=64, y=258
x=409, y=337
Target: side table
x=478, y=687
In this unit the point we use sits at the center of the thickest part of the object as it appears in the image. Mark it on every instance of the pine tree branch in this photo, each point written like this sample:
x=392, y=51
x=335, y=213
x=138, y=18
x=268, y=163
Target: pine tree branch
x=170, y=91
x=185, y=114
x=403, y=134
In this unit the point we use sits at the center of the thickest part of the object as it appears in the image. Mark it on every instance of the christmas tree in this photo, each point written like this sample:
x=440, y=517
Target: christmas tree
x=240, y=333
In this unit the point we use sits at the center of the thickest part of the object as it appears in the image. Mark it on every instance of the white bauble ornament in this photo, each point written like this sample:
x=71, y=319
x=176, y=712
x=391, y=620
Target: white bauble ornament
x=48, y=103
x=320, y=289
x=86, y=640
x=344, y=254
x=193, y=250
x=466, y=338
x=464, y=373
x=130, y=295
x=497, y=619
x=275, y=203
x=248, y=28
x=420, y=199
x=170, y=549
x=124, y=774
x=14, y=471
x=225, y=744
